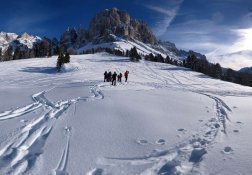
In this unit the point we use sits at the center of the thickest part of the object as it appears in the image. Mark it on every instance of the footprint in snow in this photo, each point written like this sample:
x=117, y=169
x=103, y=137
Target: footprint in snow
x=227, y=150
x=236, y=130
x=238, y=122
x=142, y=142
x=160, y=142
x=200, y=120
x=67, y=130
x=181, y=129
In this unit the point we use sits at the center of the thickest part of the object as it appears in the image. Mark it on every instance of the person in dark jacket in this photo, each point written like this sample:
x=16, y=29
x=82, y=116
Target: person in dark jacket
x=126, y=75
x=109, y=77
x=105, y=76
x=120, y=77
x=114, y=79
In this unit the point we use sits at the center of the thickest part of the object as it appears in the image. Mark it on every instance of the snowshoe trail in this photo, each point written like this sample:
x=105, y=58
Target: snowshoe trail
x=184, y=157
x=222, y=110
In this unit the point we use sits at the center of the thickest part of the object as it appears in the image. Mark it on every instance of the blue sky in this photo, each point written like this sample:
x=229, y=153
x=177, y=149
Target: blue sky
x=202, y=25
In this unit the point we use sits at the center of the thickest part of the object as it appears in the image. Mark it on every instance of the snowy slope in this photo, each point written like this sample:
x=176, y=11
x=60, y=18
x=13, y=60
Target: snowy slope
x=124, y=45
x=165, y=120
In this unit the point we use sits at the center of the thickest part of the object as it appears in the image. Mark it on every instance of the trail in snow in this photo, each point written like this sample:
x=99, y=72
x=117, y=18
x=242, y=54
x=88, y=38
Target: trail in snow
x=183, y=158
x=20, y=152
x=222, y=110
x=61, y=168
x=19, y=155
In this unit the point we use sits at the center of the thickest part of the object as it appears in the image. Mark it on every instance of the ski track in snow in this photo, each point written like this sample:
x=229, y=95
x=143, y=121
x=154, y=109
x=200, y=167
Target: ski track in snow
x=19, y=155
x=62, y=165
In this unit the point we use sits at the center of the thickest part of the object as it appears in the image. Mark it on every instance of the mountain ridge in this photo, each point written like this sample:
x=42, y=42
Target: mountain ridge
x=110, y=28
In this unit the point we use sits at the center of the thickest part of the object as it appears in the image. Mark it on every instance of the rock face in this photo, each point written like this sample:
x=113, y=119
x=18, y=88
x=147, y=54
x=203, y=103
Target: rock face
x=73, y=38
x=13, y=46
x=103, y=27
x=119, y=23
x=168, y=47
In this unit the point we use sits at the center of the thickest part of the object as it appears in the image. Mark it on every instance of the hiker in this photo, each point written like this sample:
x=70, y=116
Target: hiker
x=114, y=79
x=126, y=74
x=120, y=75
x=105, y=76
x=109, y=77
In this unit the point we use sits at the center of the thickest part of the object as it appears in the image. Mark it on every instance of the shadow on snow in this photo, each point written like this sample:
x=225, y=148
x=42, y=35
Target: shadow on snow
x=42, y=70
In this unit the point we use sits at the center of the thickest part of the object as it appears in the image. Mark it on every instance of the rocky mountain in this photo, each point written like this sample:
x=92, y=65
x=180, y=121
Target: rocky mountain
x=113, y=29
x=119, y=23
x=102, y=29
x=11, y=39
x=116, y=29
x=13, y=46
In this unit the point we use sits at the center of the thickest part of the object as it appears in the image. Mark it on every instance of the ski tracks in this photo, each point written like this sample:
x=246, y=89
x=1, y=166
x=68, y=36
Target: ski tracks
x=19, y=154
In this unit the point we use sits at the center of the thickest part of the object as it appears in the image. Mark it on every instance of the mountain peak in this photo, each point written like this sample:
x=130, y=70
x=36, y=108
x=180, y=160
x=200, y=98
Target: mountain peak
x=25, y=35
x=119, y=23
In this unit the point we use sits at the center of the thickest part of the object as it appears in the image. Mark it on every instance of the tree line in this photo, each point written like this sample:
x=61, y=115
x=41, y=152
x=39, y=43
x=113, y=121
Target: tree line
x=45, y=48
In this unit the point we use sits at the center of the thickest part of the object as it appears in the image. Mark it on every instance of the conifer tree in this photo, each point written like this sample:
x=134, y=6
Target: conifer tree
x=60, y=61
x=134, y=56
x=17, y=54
x=8, y=54
x=67, y=58
x=1, y=58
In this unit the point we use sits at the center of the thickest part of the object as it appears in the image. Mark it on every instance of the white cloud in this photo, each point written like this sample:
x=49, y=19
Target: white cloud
x=235, y=60
x=169, y=13
x=245, y=40
x=236, y=55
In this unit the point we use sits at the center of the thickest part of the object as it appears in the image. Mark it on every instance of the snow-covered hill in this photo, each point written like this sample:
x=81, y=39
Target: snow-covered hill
x=165, y=120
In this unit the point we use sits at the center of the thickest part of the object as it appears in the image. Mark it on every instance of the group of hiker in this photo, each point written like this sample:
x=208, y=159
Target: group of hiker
x=109, y=77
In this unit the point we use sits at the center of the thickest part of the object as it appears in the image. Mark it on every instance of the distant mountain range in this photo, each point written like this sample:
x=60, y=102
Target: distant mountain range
x=111, y=28
x=25, y=40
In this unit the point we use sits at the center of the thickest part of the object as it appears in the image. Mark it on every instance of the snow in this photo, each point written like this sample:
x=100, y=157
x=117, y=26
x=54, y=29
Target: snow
x=124, y=45
x=164, y=120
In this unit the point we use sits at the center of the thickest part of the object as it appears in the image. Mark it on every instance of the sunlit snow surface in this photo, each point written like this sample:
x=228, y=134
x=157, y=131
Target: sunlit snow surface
x=165, y=120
